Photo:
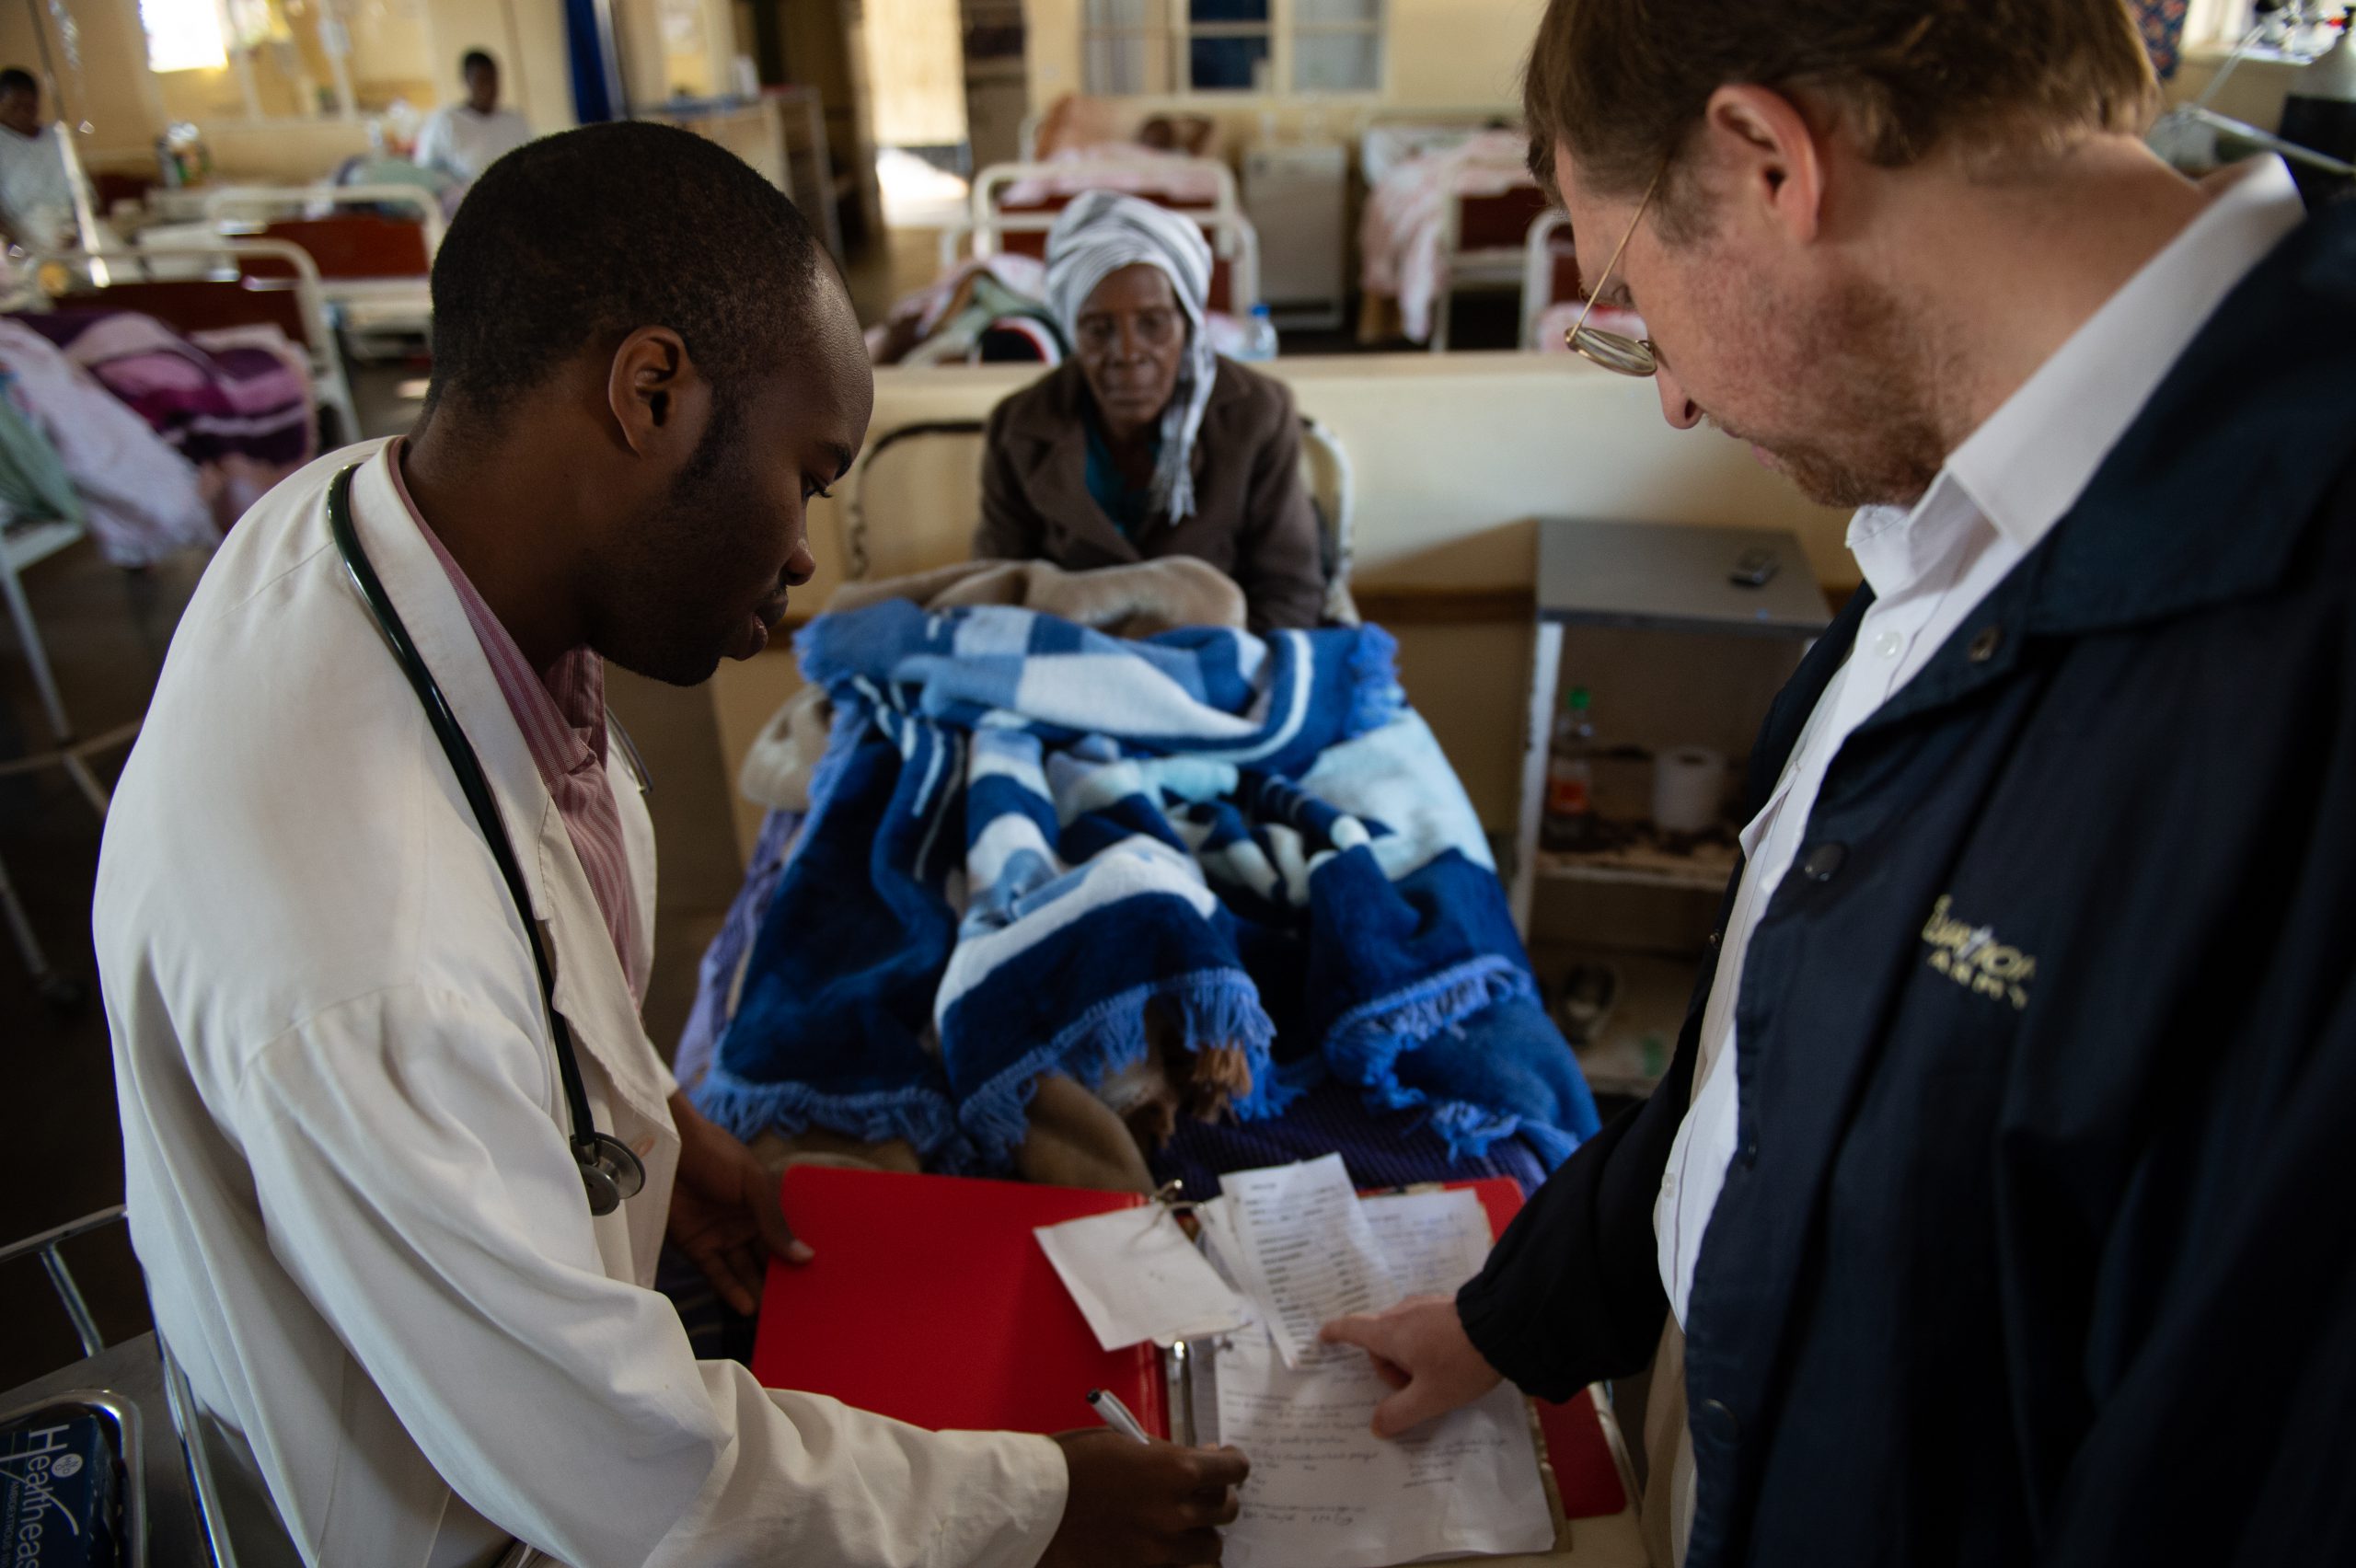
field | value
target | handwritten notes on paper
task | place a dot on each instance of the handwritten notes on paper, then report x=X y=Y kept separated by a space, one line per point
x=1325 y=1492
x=1136 y=1277
x=1308 y=1250
x=1432 y=1241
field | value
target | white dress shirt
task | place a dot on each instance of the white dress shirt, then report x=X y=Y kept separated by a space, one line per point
x=459 y=141
x=1999 y=494
x=363 y=1236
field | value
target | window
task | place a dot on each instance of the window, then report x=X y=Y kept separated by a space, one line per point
x=183 y=35
x=1263 y=47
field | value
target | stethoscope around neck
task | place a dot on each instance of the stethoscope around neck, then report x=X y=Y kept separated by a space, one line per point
x=609 y=1170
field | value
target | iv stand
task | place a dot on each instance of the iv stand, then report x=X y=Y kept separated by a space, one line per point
x=86 y=219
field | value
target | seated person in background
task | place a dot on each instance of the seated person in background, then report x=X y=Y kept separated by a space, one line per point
x=1144 y=443
x=464 y=139
x=36 y=194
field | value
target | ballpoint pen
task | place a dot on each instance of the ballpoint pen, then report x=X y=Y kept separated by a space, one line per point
x=1115 y=1414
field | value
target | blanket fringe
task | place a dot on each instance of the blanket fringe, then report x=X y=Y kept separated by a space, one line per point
x=1216 y=1007
x=921 y=1115
x=1365 y=1046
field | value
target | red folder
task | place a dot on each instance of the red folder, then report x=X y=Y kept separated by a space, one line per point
x=929 y=1300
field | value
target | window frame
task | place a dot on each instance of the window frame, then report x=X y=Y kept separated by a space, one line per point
x=1283 y=30
x=332 y=34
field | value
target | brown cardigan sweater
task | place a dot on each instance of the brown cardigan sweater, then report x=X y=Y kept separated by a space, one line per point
x=1253 y=519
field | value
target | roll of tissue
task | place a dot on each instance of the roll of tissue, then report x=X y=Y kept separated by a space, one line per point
x=1688 y=784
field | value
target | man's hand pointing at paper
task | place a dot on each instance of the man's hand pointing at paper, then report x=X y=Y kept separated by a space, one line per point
x=1421 y=1350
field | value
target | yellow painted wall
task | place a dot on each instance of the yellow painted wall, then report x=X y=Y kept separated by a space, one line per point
x=409 y=49
x=915 y=58
x=1454 y=455
x=526 y=37
x=113 y=88
x=1446 y=54
x=676 y=48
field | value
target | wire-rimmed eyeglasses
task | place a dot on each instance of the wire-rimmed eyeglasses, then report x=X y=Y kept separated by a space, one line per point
x=1616 y=351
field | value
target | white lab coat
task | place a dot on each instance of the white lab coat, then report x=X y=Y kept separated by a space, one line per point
x=348 y=1182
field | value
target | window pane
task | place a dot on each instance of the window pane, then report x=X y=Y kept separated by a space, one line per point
x=182 y=35
x=1229 y=65
x=1310 y=11
x=1125 y=14
x=1338 y=63
x=1228 y=10
x=1122 y=66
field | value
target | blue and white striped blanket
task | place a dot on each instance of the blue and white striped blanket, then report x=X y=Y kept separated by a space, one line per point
x=1024 y=832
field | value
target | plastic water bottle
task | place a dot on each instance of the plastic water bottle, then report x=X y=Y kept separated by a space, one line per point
x=1570 y=777
x=1259 y=337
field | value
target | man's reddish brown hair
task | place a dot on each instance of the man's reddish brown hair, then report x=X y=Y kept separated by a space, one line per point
x=1623 y=82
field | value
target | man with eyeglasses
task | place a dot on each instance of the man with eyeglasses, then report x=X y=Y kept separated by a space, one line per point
x=1996 y=1208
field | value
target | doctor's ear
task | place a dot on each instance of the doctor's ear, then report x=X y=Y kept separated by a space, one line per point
x=657 y=395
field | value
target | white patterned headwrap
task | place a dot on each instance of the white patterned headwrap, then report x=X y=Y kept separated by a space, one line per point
x=1097 y=234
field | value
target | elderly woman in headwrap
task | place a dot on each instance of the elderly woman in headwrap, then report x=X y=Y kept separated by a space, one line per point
x=1146 y=443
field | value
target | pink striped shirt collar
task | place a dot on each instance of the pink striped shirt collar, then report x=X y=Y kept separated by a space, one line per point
x=561 y=713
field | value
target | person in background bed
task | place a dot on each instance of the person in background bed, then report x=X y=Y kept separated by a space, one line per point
x=464 y=139
x=36 y=193
x=1144 y=443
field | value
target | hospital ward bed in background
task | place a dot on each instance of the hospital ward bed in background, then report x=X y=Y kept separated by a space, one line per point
x=371 y=246
x=989 y=299
x=1448 y=207
x=1015 y=206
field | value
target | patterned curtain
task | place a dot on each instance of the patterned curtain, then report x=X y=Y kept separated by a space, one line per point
x=2163 y=24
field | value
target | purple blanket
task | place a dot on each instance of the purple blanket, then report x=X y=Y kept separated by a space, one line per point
x=236 y=406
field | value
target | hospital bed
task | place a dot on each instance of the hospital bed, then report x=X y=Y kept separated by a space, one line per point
x=1550 y=279
x=203 y=284
x=372 y=247
x=1449 y=207
x=1013 y=206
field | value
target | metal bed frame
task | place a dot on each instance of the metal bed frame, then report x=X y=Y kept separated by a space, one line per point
x=1234 y=239
x=175 y=1513
x=397 y=303
x=196 y=260
x=1540 y=271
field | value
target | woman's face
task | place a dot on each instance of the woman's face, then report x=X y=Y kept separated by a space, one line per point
x=1132 y=336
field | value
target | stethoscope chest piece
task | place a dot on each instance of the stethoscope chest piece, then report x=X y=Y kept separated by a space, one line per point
x=610 y=1172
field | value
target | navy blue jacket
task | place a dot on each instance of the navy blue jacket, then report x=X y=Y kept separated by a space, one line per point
x=2039 y=1242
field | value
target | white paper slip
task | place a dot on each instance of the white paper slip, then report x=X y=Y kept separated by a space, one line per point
x=1308 y=1250
x=1325 y=1492
x=1136 y=1277
x=1432 y=1241
x=1221 y=1245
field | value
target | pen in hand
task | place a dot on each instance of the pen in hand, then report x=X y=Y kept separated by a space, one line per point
x=1115 y=1414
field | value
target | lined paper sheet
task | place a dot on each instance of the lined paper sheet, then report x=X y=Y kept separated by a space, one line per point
x=1325 y=1492
x=1432 y=1241
x=1309 y=1251
x=1136 y=1277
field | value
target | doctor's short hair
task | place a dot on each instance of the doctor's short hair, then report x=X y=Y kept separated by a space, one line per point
x=17 y=79
x=1623 y=82
x=579 y=240
x=472 y=58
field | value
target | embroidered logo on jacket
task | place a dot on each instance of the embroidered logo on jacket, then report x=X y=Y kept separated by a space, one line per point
x=1973 y=958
